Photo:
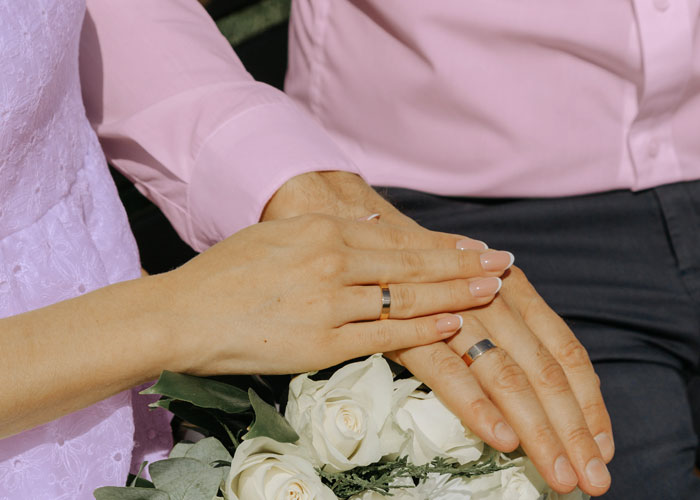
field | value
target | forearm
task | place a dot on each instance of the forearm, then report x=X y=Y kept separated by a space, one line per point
x=67 y=356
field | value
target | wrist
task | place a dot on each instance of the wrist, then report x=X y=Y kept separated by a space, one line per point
x=338 y=193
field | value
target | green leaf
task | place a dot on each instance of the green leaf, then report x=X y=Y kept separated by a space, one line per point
x=137 y=481
x=201 y=392
x=186 y=478
x=209 y=450
x=269 y=422
x=125 y=493
x=180 y=450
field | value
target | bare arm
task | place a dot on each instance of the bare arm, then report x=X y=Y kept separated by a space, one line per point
x=253 y=303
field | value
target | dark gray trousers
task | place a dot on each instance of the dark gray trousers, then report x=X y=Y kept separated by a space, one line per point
x=623 y=269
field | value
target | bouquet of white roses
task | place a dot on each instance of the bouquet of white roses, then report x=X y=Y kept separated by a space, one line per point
x=360 y=434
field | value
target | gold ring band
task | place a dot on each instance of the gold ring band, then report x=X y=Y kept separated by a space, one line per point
x=386 y=301
x=477 y=350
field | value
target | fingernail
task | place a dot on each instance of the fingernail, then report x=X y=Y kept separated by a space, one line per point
x=564 y=472
x=497 y=260
x=505 y=433
x=369 y=217
x=605 y=445
x=597 y=473
x=449 y=324
x=468 y=244
x=485 y=287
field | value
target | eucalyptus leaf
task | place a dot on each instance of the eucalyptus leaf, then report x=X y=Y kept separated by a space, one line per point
x=180 y=450
x=202 y=392
x=208 y=450
x=125 y=493
x=199 y=417
x=269 y=422
x=186 y=478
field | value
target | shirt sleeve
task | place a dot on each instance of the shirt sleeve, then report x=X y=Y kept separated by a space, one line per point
x=178 y=114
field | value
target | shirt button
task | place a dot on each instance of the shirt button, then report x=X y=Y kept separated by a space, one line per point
x=654 y=148
x=662 y=5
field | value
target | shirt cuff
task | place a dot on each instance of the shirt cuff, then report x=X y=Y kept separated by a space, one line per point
x=246 y=160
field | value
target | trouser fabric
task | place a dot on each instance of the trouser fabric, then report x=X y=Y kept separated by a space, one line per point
x=623 y=270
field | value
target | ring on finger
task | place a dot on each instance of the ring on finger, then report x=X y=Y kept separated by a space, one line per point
x=475 y=351
x=386 y=301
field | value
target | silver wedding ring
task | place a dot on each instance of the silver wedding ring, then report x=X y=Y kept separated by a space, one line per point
x=477 y=350
x=386 y=301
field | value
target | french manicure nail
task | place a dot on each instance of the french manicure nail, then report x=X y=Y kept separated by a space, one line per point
x=369 y=217
x=469 y=244
x=605 y=445
x=597 y=473
x=485 y=287
x=505 y=433
x=564 y=472
x=449 y=324
x=497 y=260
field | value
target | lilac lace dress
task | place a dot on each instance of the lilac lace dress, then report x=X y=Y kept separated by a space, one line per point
x=63 y=232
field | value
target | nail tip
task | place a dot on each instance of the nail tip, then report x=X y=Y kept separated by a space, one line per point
x=512 y=259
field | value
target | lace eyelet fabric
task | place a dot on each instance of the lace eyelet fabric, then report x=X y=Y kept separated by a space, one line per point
x=63 y=232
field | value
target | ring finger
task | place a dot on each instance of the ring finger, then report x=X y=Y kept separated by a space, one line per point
x=507 y=385
x=410 y=300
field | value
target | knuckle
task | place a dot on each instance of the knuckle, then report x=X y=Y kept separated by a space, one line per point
x=445 y=364
x=412 y=261
x=550 y=375
x=511 y=379
x=594 y=407
x=457 y=292
x=404 y=299
x=551 y=378
x=544 y=434
x=425 y=330
x=573 y=356
x=382 y=337
x=577 y=435
x=466 y=263
x=479 y=407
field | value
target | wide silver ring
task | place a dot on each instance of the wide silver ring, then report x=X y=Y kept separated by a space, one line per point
x=386 y=301
x=477 y=350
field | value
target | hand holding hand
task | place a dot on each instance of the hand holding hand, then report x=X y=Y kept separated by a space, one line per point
x=538 y=388
x=301 y=294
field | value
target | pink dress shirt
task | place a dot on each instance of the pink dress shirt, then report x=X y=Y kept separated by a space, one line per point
x=491 y=98
x=500 y=98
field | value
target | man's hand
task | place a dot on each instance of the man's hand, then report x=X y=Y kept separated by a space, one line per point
x=538 y=388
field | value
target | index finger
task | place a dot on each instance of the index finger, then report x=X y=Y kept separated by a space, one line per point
x=561 y=342
x=364 y=235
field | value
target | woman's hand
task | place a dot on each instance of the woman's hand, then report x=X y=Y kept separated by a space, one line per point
x=539 y=382
x=302 y=294
x=278 y=297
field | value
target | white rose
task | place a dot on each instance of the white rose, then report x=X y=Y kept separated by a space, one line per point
x=264 y=469
x=343 y=421
x=519 y=482
x=443 y=487
x=432 y=429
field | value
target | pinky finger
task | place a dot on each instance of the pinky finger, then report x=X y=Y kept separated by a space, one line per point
x=360 y=339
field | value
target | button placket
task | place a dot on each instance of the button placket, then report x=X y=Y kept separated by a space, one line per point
x=666 y=43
